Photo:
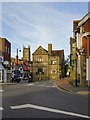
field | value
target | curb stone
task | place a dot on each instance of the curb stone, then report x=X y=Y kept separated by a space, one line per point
x=70 y=91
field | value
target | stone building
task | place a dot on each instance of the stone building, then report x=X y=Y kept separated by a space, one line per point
x=48 y=64
x=26 y=53
x=26 y=61
x=73 y=59
x=74 y=77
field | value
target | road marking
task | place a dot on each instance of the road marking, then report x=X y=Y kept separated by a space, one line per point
x=1 y=108
x=83 y=92
x=1 y=90
x=48 y=109
x=37 y=82
x=46 y=86
x=30 y=84
x=41 y=85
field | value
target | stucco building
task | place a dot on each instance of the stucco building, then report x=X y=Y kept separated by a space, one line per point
x=48 y=64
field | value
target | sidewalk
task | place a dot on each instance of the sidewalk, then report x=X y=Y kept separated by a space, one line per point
x=9 y=83
x=65 y=85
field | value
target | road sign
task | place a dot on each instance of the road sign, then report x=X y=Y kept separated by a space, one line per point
x=1 y=58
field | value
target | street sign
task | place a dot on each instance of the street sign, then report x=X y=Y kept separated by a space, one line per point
x=1 y=58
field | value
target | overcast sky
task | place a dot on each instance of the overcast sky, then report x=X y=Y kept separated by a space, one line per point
x=40 y=23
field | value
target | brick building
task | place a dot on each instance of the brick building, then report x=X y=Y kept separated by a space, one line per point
x=5 y=55
x=82 y=49
x=5 y=49
x=83 y=43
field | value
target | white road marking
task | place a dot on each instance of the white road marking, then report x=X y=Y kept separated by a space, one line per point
x=1 y=108
x=1 y=90
x=46 y=86
x=30 y=84
x=37 y=82
x=49 y=109
x=41 y=85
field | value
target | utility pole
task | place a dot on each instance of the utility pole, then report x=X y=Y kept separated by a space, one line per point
x=17 y=57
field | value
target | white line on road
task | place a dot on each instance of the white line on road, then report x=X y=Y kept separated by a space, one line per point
x=1 y=108
x=30 y=84
x=1 y=90
x=48 y=109
x=40 y=85
x=46 y=86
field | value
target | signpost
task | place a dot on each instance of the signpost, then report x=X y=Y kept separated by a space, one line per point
x=1 y=58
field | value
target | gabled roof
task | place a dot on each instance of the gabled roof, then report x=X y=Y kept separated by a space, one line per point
x=84 y=19
x=57 y=52
x=40 y=50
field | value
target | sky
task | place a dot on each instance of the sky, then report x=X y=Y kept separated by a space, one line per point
x=39 y=23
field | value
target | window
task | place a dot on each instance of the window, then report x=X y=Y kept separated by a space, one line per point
x=53 y=62
x=8 y=50
x=53 y=71
x=40 y=59
x=40 y=71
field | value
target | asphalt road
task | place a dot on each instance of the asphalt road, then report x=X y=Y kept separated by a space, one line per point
x=41 y=100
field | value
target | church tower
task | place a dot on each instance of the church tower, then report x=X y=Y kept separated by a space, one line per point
x=26 y=53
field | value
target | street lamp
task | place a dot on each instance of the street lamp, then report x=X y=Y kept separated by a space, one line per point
x=17 y=55
x=80 y=52
x=76 y=84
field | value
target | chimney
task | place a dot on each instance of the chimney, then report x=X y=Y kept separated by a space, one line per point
x=49 y=49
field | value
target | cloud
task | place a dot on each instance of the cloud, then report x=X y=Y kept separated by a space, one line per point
x=44 y=1
x=37 y=24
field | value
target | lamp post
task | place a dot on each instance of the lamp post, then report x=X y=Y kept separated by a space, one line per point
x=76 y=84
x=80 y=52
x=17 y=56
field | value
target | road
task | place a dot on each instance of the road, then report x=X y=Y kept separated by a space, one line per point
x=41 y=100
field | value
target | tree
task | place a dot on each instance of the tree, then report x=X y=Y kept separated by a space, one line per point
x=67 y=64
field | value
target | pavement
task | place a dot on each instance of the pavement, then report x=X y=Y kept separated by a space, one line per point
x=65 y=85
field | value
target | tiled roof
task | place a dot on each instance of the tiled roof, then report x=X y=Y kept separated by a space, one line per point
x=57 y=52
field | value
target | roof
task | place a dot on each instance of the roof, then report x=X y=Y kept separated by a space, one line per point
x=84 y=19
x=39 y=48
x=57 y=52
